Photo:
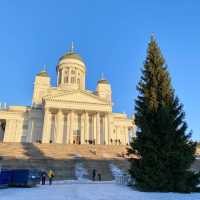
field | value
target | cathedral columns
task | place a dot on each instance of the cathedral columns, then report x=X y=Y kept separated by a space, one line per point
x=71 y=133
x=46 y=126
x=77 y=127
x=68 y=128
x=95 y=128
x=86 y=126
x=106 y=129
x=82 y=129
x=98 y=128
x=110 y=129
x=60 y=127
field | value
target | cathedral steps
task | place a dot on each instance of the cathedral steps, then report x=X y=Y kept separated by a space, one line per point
x=63 y=158
x=102 y=167
x=60 y=151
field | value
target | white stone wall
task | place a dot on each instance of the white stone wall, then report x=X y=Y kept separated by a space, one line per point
x=41 y=86
x=26 y=125
x=104 y=91
x=61 y=114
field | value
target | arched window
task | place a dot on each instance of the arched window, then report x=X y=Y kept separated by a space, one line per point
x=78 y=81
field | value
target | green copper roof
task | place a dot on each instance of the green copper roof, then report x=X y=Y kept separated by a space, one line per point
x=72 y=55
x=43 y=73
x=103 y=81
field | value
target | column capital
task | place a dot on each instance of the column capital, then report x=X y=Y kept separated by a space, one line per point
x=48 y=111
x=60 y=113
x=86 y=114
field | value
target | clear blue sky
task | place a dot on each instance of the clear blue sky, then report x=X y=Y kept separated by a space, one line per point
x=111 y=36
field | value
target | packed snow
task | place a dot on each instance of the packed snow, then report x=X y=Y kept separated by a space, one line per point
x=80 y=172
x=92 y=191
x=116 y=171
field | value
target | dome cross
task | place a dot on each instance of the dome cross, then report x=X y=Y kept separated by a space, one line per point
x=72 y=47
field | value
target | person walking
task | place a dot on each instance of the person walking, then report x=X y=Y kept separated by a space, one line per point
x=51 y=176
x=43 y=178
x=93 y=174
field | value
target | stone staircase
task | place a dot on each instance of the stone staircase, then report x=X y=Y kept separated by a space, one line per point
x=59 y=151
x=62 y=158
x=101 y=166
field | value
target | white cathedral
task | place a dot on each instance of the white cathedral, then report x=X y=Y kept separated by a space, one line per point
x=68 y=113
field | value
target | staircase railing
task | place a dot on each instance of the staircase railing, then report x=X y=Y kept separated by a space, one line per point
x=124 y=179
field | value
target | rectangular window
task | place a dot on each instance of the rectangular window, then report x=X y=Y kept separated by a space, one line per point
x=72 y=79
x=66 y=79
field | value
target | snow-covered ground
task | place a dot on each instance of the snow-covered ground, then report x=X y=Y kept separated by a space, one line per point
x=92 y=191
x=80 y=172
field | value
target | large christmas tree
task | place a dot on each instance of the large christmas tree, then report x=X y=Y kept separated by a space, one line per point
x=164 y=149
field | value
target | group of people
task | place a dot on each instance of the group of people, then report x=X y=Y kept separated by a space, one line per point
x=50 y=176
x=94 y=173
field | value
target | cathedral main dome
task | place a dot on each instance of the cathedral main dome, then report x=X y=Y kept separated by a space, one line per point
x=71 y=71
x=72 y=55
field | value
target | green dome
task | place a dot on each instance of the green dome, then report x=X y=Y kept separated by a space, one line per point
x=71 y=55
x=43 y=73
x=104 y=81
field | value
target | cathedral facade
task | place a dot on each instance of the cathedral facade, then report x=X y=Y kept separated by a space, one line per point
x=67 y=113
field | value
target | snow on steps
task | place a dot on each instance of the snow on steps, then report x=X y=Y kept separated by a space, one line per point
x=81 y=172
x=63 y=159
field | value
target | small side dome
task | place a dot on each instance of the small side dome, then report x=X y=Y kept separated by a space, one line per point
x=104 y=81
x=43 y=73
x=104 y=89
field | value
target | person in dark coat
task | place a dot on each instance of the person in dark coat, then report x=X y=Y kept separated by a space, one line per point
x=43 y=177
x=99 y=176
x=93 y=174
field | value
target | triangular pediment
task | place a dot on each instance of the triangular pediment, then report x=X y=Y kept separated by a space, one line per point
x=78 y=97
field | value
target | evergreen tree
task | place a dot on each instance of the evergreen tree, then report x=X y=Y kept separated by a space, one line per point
x=164 y=149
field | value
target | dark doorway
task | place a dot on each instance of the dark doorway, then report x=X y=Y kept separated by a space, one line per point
x=2 y=129
x=77 y=137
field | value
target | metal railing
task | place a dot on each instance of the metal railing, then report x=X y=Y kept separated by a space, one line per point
x=124 y=179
